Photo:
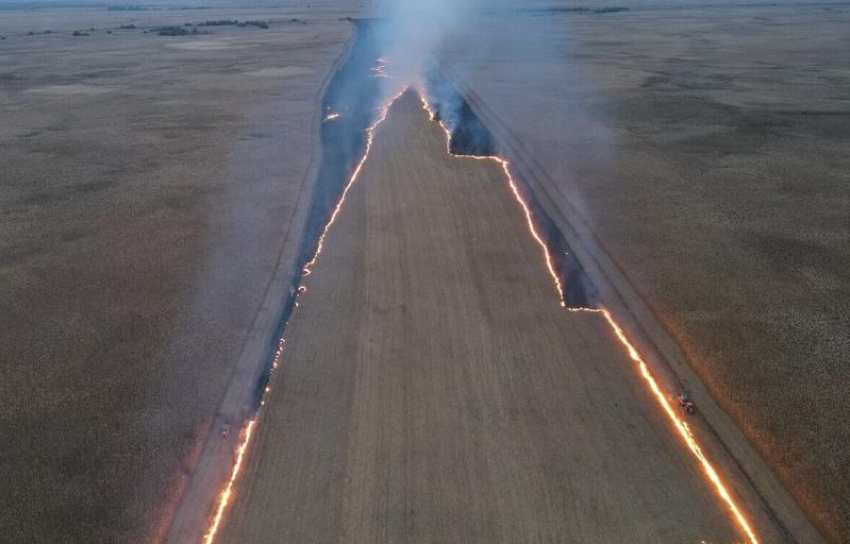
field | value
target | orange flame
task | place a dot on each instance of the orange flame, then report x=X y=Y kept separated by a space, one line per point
x=370 y=137
x=224 y=498
x=684 y=430
x=682 y=427
x=525 y=208
x=661 y=398
x=227 y=492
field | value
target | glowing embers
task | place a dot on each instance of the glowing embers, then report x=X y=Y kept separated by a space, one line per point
x=682 y=427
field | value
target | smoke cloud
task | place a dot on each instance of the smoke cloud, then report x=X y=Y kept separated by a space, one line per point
x=519 y=59
x=414 y=30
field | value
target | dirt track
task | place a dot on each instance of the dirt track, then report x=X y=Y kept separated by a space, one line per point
x=434 y=390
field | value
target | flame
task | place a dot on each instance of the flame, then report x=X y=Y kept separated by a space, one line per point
x=224 y=498
x=550 y=265
x=227 y=492
x=661 y=398
x=681 y=426
x=370 y=137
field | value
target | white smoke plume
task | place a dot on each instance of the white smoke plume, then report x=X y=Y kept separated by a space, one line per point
x=414 y=30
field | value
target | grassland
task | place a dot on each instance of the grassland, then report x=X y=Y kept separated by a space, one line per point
x=152 y=189
x=433 y=388
x=705 y=146
x=148 y=193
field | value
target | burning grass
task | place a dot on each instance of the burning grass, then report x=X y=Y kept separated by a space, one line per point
x=468 y=128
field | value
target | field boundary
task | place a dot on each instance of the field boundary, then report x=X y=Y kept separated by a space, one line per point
x=212 y=467
x=724 y=441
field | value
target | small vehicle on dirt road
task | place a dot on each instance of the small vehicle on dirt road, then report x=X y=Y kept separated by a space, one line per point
x=687 y=404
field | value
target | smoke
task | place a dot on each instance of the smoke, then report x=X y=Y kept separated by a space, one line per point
x=411 y=34
x=518 y=59
x=414 y=30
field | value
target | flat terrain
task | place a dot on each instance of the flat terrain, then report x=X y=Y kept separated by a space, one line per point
x=148 y=195
x=707 y=148
x=152 y=192
x=434 y=390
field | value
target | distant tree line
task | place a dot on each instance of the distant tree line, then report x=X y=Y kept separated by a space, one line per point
x=177 y=31
x=258 y=24
x=235 y=22
x=578 y=9
x=614 y=9
x=220 y=22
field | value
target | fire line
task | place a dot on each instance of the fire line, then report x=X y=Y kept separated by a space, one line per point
x=224 y=498
x=680 y=425
x=245 y=437
x=684 y=430
x=370 y=136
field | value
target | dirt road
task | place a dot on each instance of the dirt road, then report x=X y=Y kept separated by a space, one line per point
x=434 y=390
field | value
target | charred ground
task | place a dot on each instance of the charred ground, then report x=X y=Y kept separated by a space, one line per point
x=469 y=136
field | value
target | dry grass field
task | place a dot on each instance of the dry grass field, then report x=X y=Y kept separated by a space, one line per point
x=434 y=390
x=148 y=193
x=153 y=191
x=707 y=148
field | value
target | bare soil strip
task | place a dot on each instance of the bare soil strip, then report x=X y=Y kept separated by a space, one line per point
x=433 y=388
